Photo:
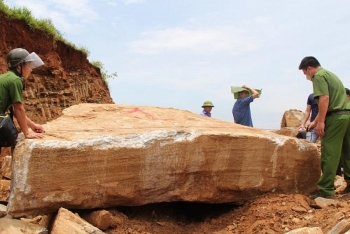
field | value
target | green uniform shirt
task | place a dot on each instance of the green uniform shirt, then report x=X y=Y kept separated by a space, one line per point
x=11 y=88
x=326 y=83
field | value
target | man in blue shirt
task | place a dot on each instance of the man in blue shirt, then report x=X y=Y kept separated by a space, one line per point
x=311 y=108
x=241 y=109
x=207 y=107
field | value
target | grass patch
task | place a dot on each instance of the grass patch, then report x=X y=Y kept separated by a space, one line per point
x=105 y=74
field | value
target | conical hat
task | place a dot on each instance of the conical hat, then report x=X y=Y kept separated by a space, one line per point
x=236 y=89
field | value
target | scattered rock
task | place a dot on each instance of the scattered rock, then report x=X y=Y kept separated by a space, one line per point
x=299 y=209
x=67 y=222
x=104 y=219
x=342 y=227
x=306 y=230
x=324 y=202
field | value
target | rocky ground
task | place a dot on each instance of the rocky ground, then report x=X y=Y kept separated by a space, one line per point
x=271 y=213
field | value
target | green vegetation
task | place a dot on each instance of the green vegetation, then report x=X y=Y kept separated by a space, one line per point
x=104 y=73
x=85 y=51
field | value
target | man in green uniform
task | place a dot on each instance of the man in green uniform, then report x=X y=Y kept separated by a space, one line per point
x=332 y=124
x=20 y=64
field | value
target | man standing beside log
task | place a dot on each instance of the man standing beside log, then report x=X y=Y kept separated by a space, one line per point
x=332 y=124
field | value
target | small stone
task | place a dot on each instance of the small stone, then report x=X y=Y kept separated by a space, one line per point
x=296 y=220
x=299 y=209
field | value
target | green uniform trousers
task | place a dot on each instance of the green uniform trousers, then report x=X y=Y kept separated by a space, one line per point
x=335 y=144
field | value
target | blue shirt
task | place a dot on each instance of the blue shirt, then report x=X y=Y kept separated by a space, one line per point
x=241 y=111
x=314 y=107
x=204 y=113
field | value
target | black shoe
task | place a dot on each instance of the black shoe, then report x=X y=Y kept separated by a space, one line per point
x=319 y=194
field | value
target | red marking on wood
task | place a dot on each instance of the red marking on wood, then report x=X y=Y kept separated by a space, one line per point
x=136 y=109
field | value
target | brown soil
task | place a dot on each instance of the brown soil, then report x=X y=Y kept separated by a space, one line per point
x=271 y=213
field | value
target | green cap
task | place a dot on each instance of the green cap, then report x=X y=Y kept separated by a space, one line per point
x=235 y=90
x=207 y=103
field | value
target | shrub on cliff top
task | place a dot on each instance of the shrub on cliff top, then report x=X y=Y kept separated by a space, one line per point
x=105 y=75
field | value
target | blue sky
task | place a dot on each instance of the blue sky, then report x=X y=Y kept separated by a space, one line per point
x=180 y=53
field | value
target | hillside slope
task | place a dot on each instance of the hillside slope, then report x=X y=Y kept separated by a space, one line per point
x=66 y=79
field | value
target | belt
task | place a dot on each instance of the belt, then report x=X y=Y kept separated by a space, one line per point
x=338 y=112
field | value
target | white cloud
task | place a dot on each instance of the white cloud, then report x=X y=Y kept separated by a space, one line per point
x=79 y=9
x=112 y=3
x=222 y=39
x=262 y=20
x=67 y=15
x=129 y=2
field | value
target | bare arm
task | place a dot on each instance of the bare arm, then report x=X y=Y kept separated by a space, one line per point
x=24 y=122
x=19 y=113
x=254 y=92
x=30 y=123
x=306 y=116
